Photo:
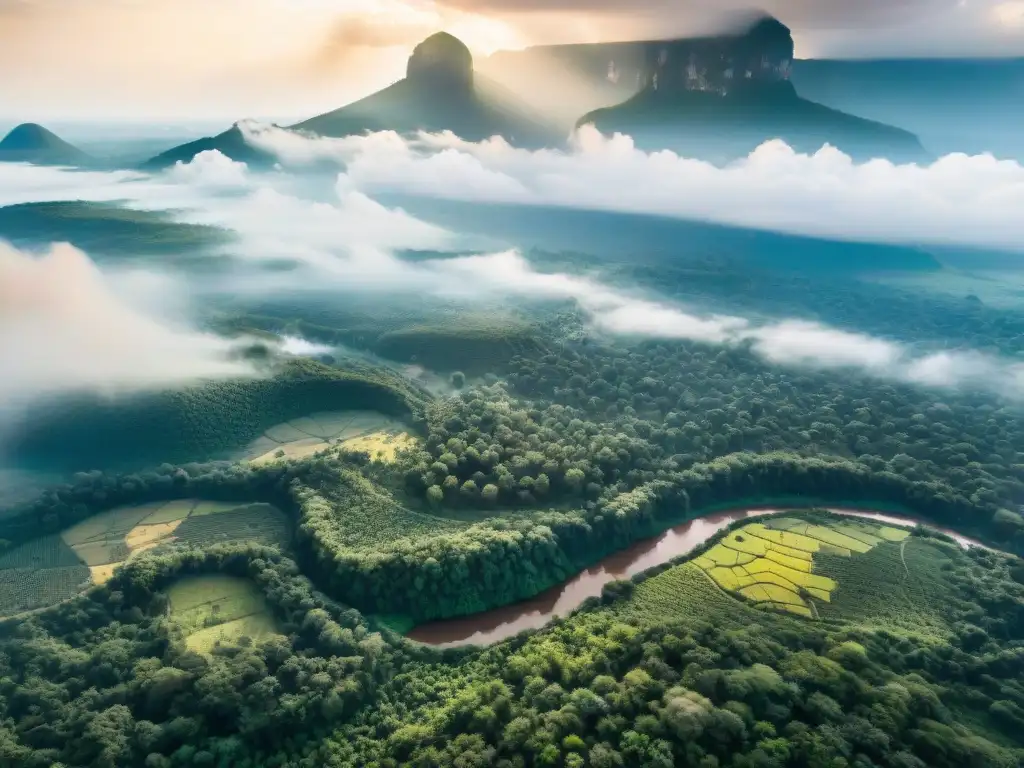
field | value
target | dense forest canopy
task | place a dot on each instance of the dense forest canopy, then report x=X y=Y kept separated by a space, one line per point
x=424 y=434
x=568 y=449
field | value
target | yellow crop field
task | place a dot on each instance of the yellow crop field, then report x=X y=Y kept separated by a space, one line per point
x=143 y=537
x=46 y=570
x=837 y=539
x=831 y=549
x=860 y=534
x=800 y=578
x=375 y=433
x=791 y=539
x=100 y=574
x=799 y=610
x=744 y=541
x=723 y=556
x=772 y=563
x=382 y=446
x=781 y=594
x=796 y=563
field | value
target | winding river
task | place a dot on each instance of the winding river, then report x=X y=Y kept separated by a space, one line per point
x=500 y=623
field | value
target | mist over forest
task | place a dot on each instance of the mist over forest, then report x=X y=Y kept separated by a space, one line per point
x=448 y=428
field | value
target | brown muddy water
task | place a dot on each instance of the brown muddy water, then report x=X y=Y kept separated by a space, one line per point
x=501 y=623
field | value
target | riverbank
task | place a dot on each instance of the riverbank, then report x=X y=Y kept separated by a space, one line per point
x=501 y=623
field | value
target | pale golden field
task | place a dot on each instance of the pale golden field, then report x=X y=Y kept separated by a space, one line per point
x=773 y=562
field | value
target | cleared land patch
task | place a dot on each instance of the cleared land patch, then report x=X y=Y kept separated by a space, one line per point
x=775 y=563
x=382 y=446
x=899 y=586
x=40 y=573
x=53 y=568
x=214 y=609
x=379 y=435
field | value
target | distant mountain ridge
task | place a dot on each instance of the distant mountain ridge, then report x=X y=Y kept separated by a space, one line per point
x=440 y=92
x=954 y=105
x=987 y=94
x=32 y=143
x=716 y=97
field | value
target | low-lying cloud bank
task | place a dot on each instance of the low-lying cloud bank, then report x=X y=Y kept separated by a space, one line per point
x=78 y=331
x=957 y=200
x=788 y=342
x=64 y=327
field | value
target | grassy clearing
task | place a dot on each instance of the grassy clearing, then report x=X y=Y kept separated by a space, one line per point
x=774 y=562
x=172 y=511
x=212 y=507
x=212 y=420
x=214 y=609
x=143 y=537
x=100 y=574
x=258 y=627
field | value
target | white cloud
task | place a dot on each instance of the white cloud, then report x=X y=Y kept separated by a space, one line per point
x=296 y=345
x=345 y=241
x=211 y=169
x=804 y=343
x=788 y=342
x=63 y=328
x=958 y=199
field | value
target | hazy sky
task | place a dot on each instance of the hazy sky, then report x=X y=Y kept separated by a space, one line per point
x=276 y=58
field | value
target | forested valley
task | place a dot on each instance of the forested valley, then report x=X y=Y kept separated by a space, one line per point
x=567 y=451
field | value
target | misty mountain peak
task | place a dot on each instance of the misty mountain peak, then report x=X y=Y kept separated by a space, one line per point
x=31 y=142
x=442 y=60
x=29 y=137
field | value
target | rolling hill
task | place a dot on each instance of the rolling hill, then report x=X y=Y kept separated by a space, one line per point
x=32 y=143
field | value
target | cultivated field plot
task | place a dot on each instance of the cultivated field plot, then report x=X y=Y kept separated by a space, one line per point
x=215 y=609
x=379 y=435
x=53 y=568
x=106 y=540
x=38 y=574
x=684 y=592
x=903 y=588
x=774 y=563
x=260 y=523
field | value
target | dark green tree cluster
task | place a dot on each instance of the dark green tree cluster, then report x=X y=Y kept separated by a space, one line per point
x=106 y=680
x=434 y=574
x=598 y=691
x=484 y=449
x=691 y=404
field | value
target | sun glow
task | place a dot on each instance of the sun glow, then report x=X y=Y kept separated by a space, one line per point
x=1009 y=14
